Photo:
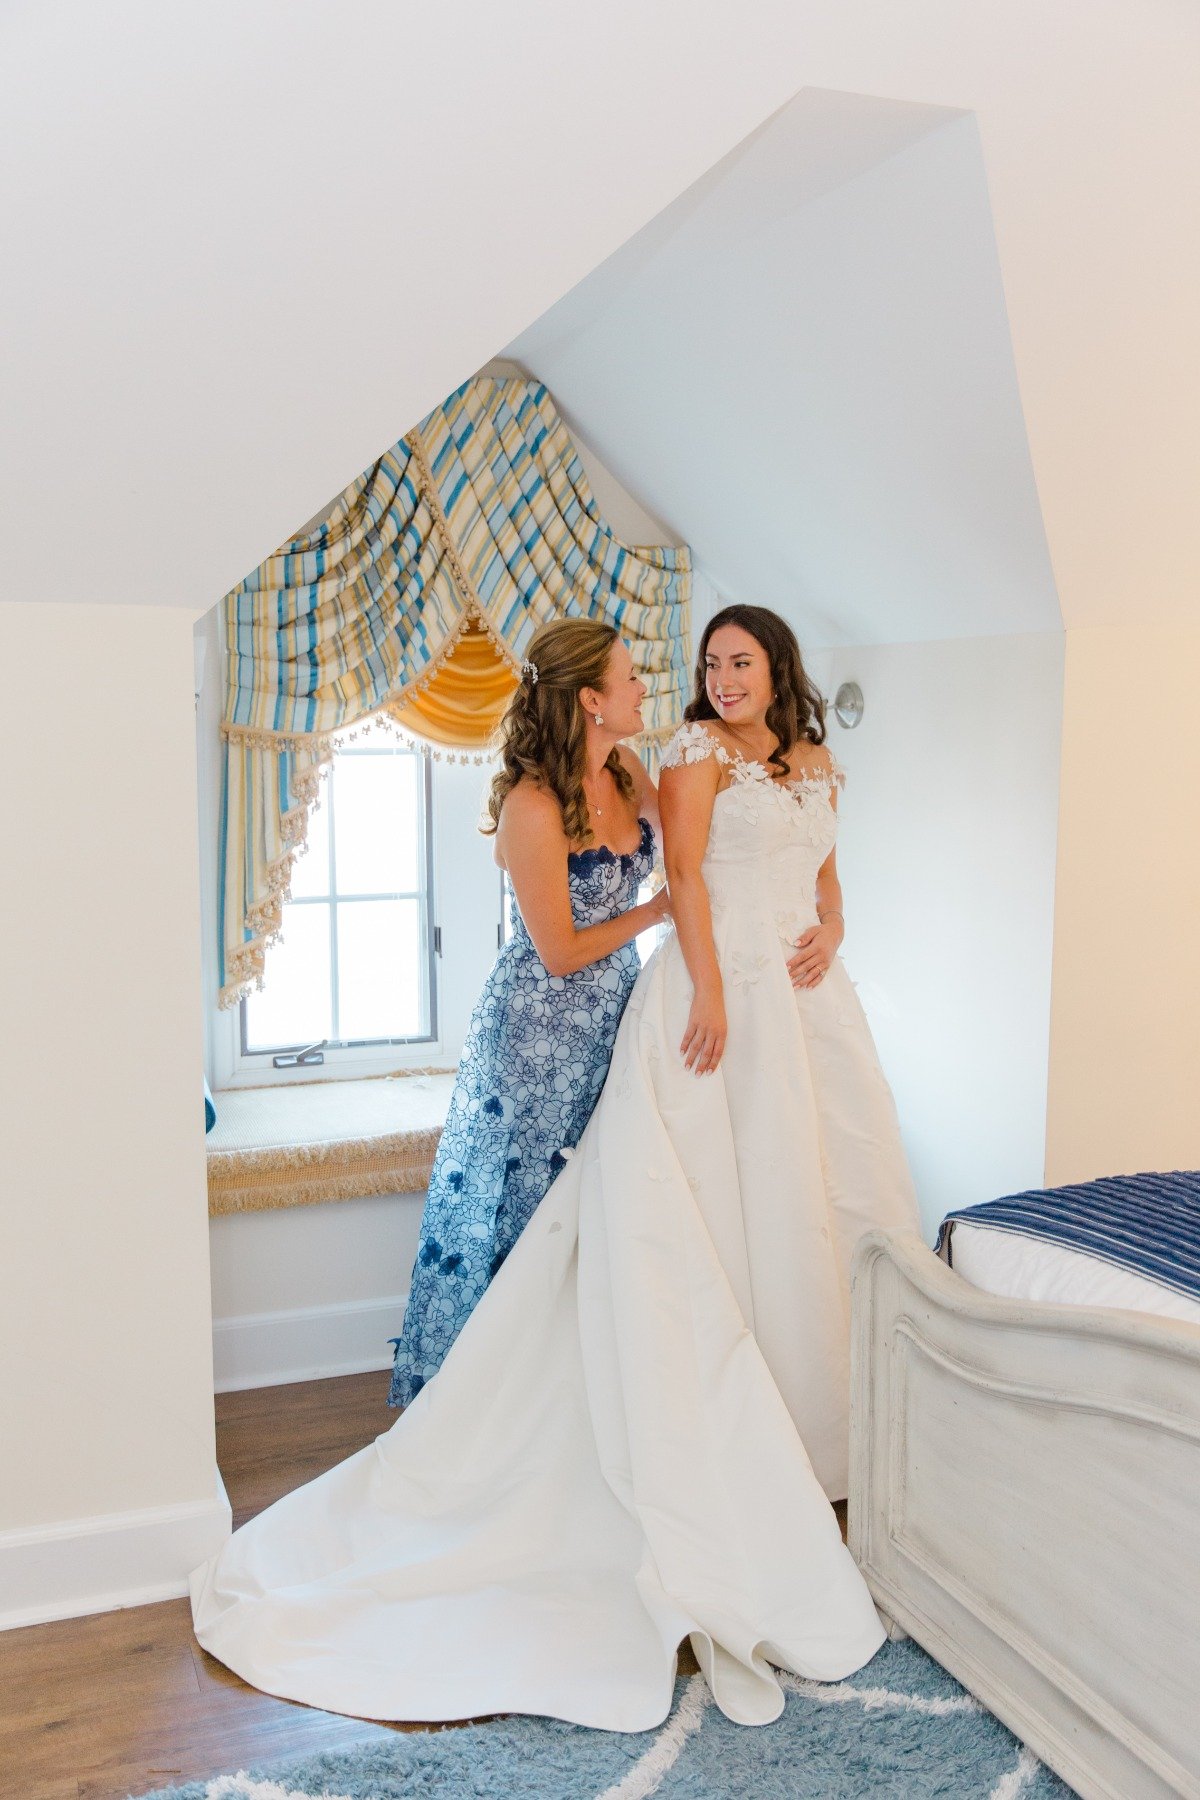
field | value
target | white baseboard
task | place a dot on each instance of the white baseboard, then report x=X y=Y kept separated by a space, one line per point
x=305 y=1343
x=78 y=1566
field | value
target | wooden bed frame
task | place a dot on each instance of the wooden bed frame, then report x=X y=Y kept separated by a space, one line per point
x=1025 y=1503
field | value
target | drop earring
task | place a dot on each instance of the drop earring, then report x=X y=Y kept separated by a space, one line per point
x=599 y=718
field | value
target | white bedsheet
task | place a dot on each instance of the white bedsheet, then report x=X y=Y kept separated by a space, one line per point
x=1022 y=1268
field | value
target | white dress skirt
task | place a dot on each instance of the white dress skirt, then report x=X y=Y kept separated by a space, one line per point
x=635 y=1438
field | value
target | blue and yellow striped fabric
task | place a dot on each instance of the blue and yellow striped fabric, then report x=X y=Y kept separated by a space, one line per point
x=482 y=513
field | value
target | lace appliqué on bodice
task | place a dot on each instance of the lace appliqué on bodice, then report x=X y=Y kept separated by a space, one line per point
x=767 y=839
x=693 y=743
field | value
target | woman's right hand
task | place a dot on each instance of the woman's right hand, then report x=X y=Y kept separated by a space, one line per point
x=658 y=906
x=704 y=1040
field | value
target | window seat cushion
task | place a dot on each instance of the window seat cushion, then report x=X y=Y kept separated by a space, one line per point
x=325 y=1140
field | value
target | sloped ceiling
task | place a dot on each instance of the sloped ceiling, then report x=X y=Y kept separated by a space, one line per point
x=245 y=244
x=804 y=366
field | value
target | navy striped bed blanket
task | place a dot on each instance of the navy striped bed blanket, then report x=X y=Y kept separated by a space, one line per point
x=1149 y=1224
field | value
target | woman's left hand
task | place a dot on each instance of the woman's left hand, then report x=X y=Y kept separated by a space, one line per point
x=815 y=950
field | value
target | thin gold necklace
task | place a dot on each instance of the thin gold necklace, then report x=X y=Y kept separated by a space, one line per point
x=598 y=810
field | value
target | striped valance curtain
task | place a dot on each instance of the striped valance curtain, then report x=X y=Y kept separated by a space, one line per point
x=410 y=605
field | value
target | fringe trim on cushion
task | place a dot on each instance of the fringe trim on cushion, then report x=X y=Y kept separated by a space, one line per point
x=310 y=1174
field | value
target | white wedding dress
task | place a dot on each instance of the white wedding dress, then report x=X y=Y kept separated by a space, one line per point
x=634 y=1437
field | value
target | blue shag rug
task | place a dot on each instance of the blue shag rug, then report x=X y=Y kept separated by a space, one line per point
x=900 y=1729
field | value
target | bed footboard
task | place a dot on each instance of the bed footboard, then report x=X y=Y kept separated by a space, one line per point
x=1025 y=1502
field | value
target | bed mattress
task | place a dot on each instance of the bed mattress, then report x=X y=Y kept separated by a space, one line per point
x=1023 y=1268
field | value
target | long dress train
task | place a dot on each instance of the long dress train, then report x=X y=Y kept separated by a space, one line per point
x=609 y=1459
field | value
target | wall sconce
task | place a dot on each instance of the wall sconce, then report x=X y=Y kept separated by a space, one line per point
x=847 y=705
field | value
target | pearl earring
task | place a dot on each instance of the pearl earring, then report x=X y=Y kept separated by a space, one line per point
x=599 y=718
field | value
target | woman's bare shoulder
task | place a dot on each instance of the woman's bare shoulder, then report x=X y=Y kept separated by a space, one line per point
x=530 y=821
x=809 y=759
x=531 y=803
x=695 y=742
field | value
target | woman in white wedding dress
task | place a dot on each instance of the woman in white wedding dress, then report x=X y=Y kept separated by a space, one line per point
x=635 y=1437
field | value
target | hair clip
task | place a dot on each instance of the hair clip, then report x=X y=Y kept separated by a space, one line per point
x=529 y=672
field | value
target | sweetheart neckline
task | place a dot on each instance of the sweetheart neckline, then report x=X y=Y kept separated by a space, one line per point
x=604 y=851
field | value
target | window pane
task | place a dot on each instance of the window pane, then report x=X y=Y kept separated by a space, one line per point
x=294 y=1006
x=310 y=871
x=648 y=941
x=380 y=969
x=507 y=902
x=377 y=836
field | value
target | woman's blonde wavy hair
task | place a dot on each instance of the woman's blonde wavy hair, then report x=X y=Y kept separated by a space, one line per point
x=543 y=735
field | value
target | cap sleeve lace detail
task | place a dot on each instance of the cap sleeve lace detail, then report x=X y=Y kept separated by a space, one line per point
x=691 y=744
x=820 y=779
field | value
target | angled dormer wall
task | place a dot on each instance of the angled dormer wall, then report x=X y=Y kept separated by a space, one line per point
x=805 y=366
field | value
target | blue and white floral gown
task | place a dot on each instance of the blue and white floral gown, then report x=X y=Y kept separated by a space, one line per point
x=532 y=1068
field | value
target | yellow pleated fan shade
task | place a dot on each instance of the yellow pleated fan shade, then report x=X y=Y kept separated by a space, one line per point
x=463 y=701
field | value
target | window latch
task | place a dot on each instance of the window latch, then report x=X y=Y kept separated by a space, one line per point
x=307 y=1058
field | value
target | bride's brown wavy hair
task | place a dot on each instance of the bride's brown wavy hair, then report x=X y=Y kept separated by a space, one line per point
x=797 y=710
x=543 y=735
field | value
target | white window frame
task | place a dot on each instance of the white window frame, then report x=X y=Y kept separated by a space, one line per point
x=464 y=922
x=342 y=1052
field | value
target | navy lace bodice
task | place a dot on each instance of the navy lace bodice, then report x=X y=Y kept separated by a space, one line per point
x=532 y=1067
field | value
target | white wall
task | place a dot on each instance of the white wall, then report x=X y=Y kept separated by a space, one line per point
x=621 y=508
x=106 y=1402
x=208 y=644
x=812 y=379
x=308 y=1291
x=947 y=854
x=182 y=163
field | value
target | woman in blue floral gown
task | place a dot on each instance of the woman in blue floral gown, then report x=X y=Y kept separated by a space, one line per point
x=574 y=815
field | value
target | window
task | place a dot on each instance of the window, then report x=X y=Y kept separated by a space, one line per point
x=396 y=912
x=355 y=967
x=648 y=941
x=504 y=930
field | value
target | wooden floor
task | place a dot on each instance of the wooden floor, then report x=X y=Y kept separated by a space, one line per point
x=123 y=1702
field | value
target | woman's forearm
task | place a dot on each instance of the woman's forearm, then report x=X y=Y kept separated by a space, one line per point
x=829 y=900
x=592 y=943
x=692 y=914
